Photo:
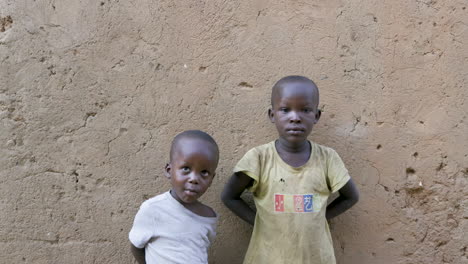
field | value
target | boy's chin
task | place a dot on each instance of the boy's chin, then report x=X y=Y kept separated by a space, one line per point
x=295 y=139
x=188 y=199
x=183 y=199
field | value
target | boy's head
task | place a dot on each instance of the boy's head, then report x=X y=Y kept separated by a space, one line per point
x=193 y=160
x=294 y=108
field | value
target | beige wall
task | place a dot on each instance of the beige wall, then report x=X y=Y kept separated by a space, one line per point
x=92 y=92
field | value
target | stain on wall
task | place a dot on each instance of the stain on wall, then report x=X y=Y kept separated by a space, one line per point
x=92 y=92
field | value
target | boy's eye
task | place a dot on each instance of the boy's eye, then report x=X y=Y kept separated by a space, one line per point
x=205 y=173
x=307 y=110
x=185 y=169
x=284 y=109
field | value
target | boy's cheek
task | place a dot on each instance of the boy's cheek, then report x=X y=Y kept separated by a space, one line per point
x=208 y=182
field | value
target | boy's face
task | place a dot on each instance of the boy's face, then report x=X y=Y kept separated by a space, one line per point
x=295 y=111
x=191 y=169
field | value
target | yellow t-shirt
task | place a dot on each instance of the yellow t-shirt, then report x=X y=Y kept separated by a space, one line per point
x=290 y=225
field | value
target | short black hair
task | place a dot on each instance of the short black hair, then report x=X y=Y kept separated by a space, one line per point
x=291 y=79
x=194 y=134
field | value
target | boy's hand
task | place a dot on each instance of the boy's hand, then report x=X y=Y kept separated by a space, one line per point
x=231 y=196
x=349 y=196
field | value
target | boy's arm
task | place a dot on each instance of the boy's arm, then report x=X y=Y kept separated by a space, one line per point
x=238 y=182
x=139 y=254
x=349 y=196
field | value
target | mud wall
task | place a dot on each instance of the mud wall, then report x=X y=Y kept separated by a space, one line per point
x=92 y=92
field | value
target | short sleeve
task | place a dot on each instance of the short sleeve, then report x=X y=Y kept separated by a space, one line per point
x=251 y=166
x=143 y=226
x=337 y=175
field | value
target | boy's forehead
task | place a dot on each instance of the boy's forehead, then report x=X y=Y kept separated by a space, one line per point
x=295 y=88
x=192 y=144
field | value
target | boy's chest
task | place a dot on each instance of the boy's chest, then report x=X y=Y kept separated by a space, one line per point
x=178 y=228
x=307 y=180
x=171 y=221
x=283 y=191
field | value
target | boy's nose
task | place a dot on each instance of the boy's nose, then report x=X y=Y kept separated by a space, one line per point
x=193 y=178
x=294 y=118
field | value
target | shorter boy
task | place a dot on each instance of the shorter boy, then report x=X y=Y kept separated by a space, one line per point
x=174 y=227
x=291 y=179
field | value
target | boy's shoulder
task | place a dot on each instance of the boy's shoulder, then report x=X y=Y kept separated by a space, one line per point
x=322 y=148
x=267 y=147
x=156 y=200
x=206 y=211
x=322 y=152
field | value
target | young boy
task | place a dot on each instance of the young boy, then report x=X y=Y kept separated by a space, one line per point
x=175 y=227
x=291 y=179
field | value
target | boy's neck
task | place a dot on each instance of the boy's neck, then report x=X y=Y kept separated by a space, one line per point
x=294 y=155
x=196 y=207
x=286 y=146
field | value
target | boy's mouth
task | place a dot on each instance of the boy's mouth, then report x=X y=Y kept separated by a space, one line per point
x=190 y=192
x=295 y=131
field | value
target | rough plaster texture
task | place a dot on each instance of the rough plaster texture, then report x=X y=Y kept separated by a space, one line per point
x=91 y=93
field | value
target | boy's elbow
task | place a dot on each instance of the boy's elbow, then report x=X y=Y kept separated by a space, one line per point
x=226 y=198
x=353 y=194
x=138 y=253
x=351 y=198
x=229 y=199
x=355 y=198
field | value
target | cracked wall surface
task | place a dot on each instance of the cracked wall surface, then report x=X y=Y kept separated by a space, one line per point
x=92 y=92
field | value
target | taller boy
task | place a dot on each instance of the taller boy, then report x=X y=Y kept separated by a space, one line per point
x=291 y=179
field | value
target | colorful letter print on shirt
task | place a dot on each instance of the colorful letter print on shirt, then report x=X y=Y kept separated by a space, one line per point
x=294 y=203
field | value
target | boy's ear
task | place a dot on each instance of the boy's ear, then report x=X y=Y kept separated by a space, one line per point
x=318 y=115
x=271 y=115
x=167 y=170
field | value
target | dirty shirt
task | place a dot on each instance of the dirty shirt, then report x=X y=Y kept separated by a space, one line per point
x=170 y=233
x=290 y=224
